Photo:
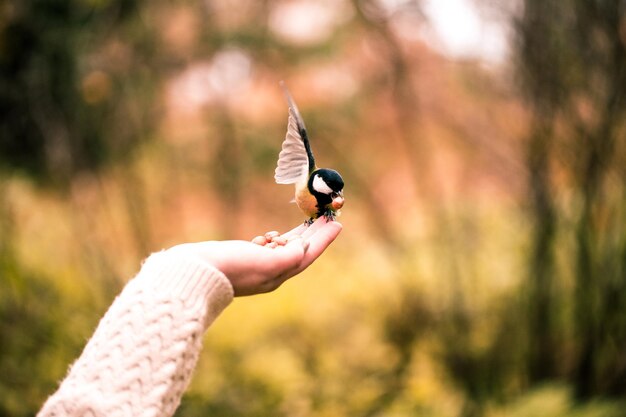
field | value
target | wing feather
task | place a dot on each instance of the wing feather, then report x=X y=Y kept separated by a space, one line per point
x=293 y=161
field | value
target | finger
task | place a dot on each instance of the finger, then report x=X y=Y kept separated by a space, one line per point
x=280 y=240
x=260 y=240
x=271 y=235
x=295 y=231
x=318 y=243
x=312 y=229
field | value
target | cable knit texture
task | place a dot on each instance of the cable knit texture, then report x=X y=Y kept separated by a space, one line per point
x=140 y=359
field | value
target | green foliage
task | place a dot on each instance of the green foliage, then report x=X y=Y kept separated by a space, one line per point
x=556 y=401
x=37 y=340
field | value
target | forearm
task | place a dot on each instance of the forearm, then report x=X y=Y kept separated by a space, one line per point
x=140 y=359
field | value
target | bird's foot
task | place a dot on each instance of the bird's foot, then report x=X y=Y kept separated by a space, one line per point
x=309 y=221
x=330 y=215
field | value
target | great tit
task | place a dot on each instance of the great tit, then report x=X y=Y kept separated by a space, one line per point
x=319 y=191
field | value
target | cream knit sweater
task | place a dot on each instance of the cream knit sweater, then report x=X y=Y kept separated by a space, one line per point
x=140 y=358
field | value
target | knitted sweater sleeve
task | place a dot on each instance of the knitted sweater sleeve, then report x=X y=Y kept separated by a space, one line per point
x=140 y=358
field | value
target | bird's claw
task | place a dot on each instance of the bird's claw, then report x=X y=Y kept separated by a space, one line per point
x=330 y=215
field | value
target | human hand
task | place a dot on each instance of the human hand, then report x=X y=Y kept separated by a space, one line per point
x=252 y=268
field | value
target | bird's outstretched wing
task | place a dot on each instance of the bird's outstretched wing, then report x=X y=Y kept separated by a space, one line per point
x=295 y=160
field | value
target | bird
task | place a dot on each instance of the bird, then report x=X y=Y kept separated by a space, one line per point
x=319 y=191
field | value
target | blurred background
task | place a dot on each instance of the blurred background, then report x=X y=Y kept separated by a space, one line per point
x=482 y=267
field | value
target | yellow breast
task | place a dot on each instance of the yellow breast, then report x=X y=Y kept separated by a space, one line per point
x=306 y=201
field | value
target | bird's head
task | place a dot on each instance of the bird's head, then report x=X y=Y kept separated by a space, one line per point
x=327 y=187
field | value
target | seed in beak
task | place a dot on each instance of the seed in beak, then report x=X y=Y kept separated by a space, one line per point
x=337 y=203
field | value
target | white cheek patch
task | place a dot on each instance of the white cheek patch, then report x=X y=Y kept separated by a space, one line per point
x=320 y=186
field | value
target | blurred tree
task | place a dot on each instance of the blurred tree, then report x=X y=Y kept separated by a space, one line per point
x=572 y=63
x=73 y=78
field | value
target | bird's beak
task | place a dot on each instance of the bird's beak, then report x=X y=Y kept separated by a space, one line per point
x=337 y=202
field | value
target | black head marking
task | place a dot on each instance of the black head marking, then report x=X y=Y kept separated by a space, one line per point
x=324 y=182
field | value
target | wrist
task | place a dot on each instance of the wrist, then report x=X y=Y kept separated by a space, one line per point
x=175 y=274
